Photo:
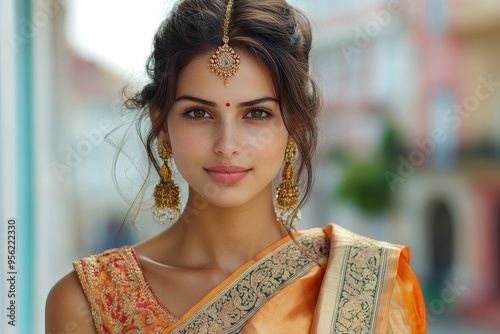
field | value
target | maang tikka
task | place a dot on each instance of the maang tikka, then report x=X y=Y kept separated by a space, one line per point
x=167 y=192
x=287 y=193
x=225 y=62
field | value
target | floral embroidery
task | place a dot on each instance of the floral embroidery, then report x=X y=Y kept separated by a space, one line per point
x=118 y=295
x=358 y=301
x=238 y=301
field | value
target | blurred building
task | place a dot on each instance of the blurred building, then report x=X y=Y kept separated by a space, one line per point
x=429 y=69
x=58 y=107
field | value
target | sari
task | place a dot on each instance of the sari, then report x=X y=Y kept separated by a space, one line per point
x=322 y=281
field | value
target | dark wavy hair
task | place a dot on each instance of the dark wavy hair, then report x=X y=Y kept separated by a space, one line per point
x=276 y=34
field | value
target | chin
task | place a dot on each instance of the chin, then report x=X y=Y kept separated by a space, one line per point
x=228 y=198
x=228 y=203
x=233 y=196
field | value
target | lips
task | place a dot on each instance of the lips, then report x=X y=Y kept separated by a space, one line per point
x=227 y=174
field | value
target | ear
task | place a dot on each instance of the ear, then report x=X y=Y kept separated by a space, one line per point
x=154 y=115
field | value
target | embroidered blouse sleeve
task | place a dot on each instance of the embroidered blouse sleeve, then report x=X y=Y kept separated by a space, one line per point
x=118 y=295
x=407 y=310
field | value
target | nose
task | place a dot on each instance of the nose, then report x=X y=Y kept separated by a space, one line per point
x=228 y=139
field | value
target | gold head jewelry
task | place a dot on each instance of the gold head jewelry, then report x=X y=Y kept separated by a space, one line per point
x=225 y=62
x=287 y=193
x=167 y=192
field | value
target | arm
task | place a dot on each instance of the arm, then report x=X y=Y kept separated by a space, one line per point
x=67 y=310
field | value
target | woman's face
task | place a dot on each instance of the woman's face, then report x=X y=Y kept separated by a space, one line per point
x=227 y=142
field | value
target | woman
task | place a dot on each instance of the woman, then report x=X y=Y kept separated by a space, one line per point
x=231 y=101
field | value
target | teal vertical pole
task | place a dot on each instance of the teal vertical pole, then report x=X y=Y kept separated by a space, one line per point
x=25 y=31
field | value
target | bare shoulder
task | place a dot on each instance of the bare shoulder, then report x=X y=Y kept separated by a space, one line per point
x=67 y=310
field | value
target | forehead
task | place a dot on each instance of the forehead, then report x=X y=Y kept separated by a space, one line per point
x=251 y=81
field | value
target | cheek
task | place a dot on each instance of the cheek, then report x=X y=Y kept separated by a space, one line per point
x=184 y=139
x=188 y=158
x=276 y=156
x=271 y=148
x=187 y=147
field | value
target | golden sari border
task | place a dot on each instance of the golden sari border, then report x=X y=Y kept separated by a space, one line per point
x=357 y=285
x=358 y=297
x=229 y=309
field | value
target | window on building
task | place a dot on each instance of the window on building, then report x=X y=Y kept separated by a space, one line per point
x=446 y=144
x=436 y=17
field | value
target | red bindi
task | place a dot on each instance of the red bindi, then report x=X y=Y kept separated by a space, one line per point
x=228 y=104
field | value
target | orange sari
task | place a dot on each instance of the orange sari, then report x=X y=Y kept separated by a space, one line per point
x=367 y=287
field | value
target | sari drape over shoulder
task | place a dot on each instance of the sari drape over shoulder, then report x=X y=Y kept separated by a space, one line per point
x=320 y=281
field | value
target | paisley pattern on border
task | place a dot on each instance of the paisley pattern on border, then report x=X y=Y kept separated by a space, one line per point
x=358 y=299
x=238 y=301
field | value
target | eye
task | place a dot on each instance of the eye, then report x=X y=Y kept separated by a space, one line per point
x=196 y=113
x=258 y=113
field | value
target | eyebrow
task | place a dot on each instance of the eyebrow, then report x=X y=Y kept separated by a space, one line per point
x=215 y=105
x=257 y=101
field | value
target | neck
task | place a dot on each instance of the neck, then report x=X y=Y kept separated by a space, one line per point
x=226 y=238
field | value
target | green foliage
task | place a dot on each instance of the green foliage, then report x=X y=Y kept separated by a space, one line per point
x=365 y=186
x=364 y=183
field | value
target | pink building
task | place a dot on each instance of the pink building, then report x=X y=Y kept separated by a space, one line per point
x=431 y=69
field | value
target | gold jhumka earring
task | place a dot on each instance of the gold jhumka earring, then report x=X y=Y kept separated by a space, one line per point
x=287 y=193
x=225 y=62
x=167 y=192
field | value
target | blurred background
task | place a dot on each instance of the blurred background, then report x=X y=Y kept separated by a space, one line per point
x=409 y=149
